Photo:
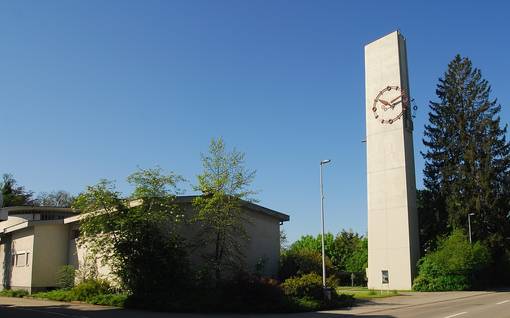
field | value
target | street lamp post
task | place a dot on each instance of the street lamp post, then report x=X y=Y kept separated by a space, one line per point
x=323 y=162
x=469 y=226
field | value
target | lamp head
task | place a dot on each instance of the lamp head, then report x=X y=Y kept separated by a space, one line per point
x=323 y=162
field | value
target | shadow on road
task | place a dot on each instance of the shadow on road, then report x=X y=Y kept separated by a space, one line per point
x=73 y=311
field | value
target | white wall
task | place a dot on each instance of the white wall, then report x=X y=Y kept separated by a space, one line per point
x=50 y=253
x=21 y=274
x=392 y=220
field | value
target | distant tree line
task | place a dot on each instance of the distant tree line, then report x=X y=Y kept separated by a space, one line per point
x=346 y=256
x=16 y=195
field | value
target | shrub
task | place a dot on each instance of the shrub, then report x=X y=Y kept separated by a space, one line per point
x=65 y=277
x=13 y=293
x=255 y=293
x=86 y=293
x=453 y=265
x=91 y=288
x=308 y=286
x=302 y=261
x=115 y=300
x=306 y=294
x=58 y=295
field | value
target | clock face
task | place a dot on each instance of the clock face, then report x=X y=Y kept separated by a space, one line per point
x=390 y=104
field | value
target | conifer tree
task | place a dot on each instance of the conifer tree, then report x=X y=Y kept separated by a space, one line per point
x=467 y=157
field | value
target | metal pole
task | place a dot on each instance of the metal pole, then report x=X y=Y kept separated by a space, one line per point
x=322 y=236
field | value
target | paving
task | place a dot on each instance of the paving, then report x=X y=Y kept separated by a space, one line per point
x=494 y=304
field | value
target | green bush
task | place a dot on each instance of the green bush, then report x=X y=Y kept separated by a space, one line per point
x=305 y=293
x=308 y=286
x=13 y=293
x=302 y=261
x=454 y=265
x=58 y=295
x=90 y=288
x=98 y=292
x=85 y=294
x=115 y=300
x=65 y=277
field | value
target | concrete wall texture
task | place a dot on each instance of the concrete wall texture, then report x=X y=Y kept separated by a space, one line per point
x=392 y=217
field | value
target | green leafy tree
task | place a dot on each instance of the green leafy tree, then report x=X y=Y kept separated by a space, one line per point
x=297 y=262
x=224 y=183
x=357 y=261
x=467 y=157
x=137 y=237
x=349 y=251
x=14 y=194
x=455 y=265
x=345 y=250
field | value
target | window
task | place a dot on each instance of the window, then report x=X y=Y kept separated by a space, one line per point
x=385 y=277
x=20 y=259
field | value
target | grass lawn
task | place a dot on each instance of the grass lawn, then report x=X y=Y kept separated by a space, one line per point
x=365 y=293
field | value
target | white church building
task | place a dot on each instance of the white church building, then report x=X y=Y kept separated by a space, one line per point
x=35 y=242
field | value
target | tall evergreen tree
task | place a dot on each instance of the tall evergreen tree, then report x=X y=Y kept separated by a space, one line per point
x=467 y=159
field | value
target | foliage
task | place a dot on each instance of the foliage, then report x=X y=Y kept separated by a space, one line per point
x=137 y=238
x=467 y=159
x=296 y=262
x=305 y=286
x=347 y=251
x=224 y=183
x=306 y=293
x=62 y=199
x=88 y=269
x=283 y=240
x=255 y=293
x=65 y=277
x=18 y=293
x=14 y=194
x=357 y=261
x=431 y=218
x=97 y=292
x=455 y=264
x=88 y=289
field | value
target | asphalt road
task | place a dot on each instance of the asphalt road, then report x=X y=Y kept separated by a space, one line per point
x=411 y=305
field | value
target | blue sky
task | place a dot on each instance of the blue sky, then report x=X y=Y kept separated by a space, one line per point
x=94 y=89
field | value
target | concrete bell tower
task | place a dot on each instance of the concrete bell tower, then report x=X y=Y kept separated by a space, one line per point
x=393 y=246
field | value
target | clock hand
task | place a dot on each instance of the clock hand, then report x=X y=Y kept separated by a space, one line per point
x=385 y=102
x=395 y=104
x=394 y=99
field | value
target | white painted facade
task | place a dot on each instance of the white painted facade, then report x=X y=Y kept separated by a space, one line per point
x=392 y=218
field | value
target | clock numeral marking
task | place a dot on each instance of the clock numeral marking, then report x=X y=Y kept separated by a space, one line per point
x=390 y=104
